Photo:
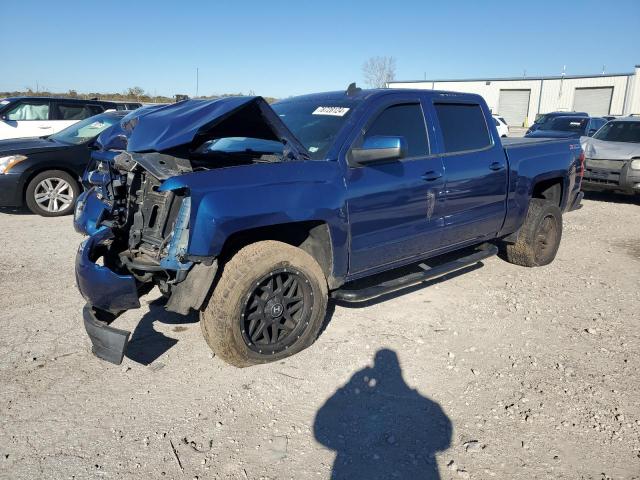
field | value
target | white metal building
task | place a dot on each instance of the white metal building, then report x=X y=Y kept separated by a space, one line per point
x=519 y=100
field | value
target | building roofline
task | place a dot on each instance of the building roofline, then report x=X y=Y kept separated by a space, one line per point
x=511 y=79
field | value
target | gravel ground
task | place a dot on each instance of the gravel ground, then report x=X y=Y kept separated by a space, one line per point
x=503 y=372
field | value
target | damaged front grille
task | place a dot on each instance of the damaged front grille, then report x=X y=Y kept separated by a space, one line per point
x=154 y=218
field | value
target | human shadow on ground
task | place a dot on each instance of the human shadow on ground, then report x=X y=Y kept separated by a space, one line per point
x=381 y=428
x=147 y=344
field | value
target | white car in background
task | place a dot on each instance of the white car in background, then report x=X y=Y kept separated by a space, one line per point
x=22 y=117
x=501 y=125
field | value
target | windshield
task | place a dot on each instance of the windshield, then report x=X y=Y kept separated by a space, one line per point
x=541 y=119
x=620 y=132
x=85 y=130
x=315 y=123
x=566 y=124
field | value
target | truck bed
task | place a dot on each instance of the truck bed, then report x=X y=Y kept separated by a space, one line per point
x=512 y=142
x=535 y=160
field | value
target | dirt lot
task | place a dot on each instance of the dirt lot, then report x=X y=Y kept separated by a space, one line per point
x=503 y=372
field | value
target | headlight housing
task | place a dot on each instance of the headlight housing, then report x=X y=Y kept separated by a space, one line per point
x=7 y=163
x=635 y=164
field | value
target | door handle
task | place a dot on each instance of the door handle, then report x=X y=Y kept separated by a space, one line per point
x=431 y=175
x=44 y=128
x=495 y=166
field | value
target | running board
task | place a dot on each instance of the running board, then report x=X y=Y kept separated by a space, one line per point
x=429 y=273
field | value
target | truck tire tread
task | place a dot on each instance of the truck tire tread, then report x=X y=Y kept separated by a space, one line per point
x=220 y=318
x=523 y=251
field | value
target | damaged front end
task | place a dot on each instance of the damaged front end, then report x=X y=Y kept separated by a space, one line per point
x=139 y=223
x=139 y=238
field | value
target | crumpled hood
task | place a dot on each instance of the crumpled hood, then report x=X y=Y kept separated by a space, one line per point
x=602 y=149
x=27 y=146
x=186 y=125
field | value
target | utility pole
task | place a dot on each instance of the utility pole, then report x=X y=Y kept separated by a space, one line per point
x=197 y=80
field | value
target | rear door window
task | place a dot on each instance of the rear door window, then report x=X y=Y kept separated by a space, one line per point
x=406 y=121
x=26 y=110
x=463 y=127
x=96 y=109
x=73 y=111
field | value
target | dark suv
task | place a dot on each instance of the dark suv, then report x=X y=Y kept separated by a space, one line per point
x=547 y=118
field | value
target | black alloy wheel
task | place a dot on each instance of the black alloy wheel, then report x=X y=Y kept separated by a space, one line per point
x=277 y=311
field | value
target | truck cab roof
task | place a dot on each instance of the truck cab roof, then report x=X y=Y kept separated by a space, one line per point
x=368 y=94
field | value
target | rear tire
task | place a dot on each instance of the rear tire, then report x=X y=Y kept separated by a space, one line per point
x=52 y=193
x=539 y=237
x=269 y=303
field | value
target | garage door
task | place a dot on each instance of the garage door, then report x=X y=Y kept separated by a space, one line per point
x=595 y=101
x=513 y=105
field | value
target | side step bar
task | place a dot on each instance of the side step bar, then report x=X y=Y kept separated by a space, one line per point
x=367 y=293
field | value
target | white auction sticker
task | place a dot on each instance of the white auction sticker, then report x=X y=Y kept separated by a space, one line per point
x=335 y=111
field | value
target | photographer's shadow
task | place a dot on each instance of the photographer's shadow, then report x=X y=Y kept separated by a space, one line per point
x=381 y=428
x=147 y=344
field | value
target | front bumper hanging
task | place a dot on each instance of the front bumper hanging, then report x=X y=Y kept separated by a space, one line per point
x=107 y=343
x=107 y=294
x=100 y=286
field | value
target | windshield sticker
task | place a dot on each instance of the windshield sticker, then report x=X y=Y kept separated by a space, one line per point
x=313 y=149
x=333 y=111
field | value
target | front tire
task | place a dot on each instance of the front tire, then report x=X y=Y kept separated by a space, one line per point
x=269 y=303
x=52 y=193
x=539 y=238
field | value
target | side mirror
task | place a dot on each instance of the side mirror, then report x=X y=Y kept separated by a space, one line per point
x=592 y=131
x=378 y=148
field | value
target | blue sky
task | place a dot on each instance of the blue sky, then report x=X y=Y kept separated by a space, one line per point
x=282 y=48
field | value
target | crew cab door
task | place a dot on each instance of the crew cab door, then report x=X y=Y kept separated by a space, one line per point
x=394 y=208
x=66 y=114
x=476 y=166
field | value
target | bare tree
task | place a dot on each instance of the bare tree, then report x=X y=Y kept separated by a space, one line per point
x=377 y=71
x=136 y=92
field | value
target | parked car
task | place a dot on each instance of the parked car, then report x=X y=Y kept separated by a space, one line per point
x=501 y=126
x=258 y=238
x=545 y=119
x=22 y=117
x=44 y=173
x=613 y=157
x=568 y=127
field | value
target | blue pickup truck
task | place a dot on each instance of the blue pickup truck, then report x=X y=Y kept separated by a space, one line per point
x=256 y=214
